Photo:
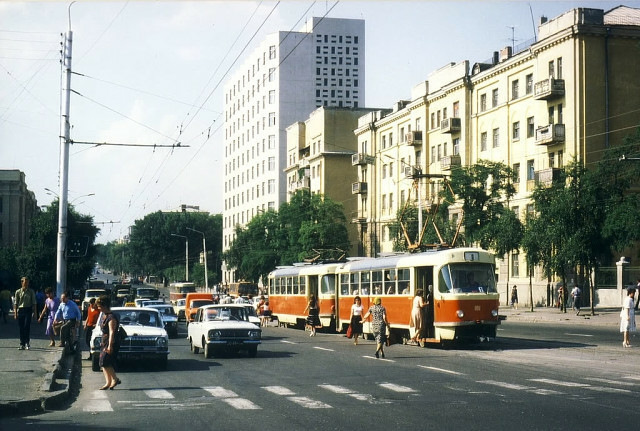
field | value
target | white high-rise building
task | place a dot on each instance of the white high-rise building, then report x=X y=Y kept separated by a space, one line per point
x=281 y=82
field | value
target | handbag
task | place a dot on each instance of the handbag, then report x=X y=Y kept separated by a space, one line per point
x=349 y=332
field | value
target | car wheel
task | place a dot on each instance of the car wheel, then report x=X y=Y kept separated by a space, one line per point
x=208 y=350
x=194 y=349
x=95 y=362
x=253 y=351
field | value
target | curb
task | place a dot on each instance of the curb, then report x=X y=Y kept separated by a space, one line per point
x=55 y=390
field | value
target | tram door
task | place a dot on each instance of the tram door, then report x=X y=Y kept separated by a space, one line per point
x=313 y=287
x=424 y=282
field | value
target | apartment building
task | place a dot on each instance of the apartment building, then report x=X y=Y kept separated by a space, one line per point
x=320 y=153
x=281 y=82
x=18 y=206
x=568 y=95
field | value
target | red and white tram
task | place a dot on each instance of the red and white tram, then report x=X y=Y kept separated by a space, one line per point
x=461 y=280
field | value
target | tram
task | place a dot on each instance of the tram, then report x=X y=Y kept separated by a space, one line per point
x=460 y=283
x=243 y=288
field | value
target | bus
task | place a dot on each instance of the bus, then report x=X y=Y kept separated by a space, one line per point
x=461 y=283
x=243 y=288
x=179 y=290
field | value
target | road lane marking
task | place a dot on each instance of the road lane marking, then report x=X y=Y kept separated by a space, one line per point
x=162 y=394
x=561 y=383
x=220 y=392
x=309 y=403
x=288 y=342
x=279 y=390
x=381 y=359
x=241 y=404
x=323 y=348
x=99 y=402
x=337 y=389
x=612 y=382
x=579 y=335
x=506 y=385
x=396 y=388
x=442 y=370
x=609 y=390
x=545 y=392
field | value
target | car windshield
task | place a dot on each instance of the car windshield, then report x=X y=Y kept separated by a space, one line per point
x=250 y=310
x=200 y=302
x=181 y=302
x=226 y=313
x=166 y=311
x=467 y=278
x=94 y=293
x=138 y=317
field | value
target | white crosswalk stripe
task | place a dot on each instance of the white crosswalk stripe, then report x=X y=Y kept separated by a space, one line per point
x=396 y=388
x=302 y=401
x=161 y=394
x=98 y=403
x=353 y=394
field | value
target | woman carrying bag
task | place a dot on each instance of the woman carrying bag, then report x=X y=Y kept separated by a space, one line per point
x=355 y=328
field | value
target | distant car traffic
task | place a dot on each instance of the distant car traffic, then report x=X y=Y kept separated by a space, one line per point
x=146 y=338
x=223 y=327
x=169 y=317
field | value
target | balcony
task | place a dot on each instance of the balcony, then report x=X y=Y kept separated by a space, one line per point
x=451 y=125
x=358 y=188
x=550 y=134
x=412 y=171
x=358 y=217
x=548 y=89
x=361 y=159
x=414 y=138
x=547 y=176
x=446 y=163
x=302 y=183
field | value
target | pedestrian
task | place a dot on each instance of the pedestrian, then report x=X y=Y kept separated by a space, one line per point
x=265 y=314
x=416 y=319
x=313 y=318
x=379 y=324
x=5 y=303
x=575 y=294
x=24 y=308
x=627 y=317
x=70 y=316
x=110 y=343
x=638 y=299
x=51 y=305
x=356 y=316
x=562 y=298
x=514 y=296
x=92 y=319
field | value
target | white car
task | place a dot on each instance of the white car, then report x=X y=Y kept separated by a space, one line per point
x=146 y=339
x=180 y=307
x=169 y=317
x=220 y=327
x=88 y=294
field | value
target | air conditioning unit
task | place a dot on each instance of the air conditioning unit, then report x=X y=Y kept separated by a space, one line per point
x=411 y=171
x=358 y=188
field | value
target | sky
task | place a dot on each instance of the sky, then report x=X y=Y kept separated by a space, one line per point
x=151 y=74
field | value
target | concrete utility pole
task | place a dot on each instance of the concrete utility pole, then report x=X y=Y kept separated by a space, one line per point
x=61 y=264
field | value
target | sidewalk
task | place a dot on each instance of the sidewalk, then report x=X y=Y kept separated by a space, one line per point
x=32 y=380
x=609 y=317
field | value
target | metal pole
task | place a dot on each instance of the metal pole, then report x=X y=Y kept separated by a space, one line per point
x=186 y=255
x=204 y=250
x=61 y=264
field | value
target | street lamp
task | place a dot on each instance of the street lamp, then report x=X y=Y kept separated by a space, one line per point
x=204 y=250
x=186 y=255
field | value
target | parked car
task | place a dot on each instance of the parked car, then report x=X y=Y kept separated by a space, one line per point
x=225 y=327
x=180 y=308
x=146 y=337
x=169 y=317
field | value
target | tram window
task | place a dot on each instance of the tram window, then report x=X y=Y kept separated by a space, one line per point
x=303 y=289
x=328 y=285
x=365 y=283
x=355 y=283
x=295 y=285
x=467 y=278
x=289 y=285
x=390 y=282
x=377 y=282
x=403 y=281
x=344 y=284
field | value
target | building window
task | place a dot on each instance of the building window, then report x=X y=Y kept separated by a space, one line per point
x=390 y=139
x=272 y=118
x=515 y=133
x=272 y=72
x=483 y=103
x=391 y=170
x=552 y=73
x=456 y=146
x=272 y=96
x=551 y=159
x=272 y=163
x=560 y=161
x=272 y=52
x=390 y=203
x=433 y=154
x=551 y=115
x=433 y=120
x=384 y=203
x=529 y=83
x=456 y=109
x=559 y=67
x=496 y=138
x=560 y=119
x=515 y=88
x=530 y=127
x=515 y=264
x=271 y=186
x=531 y=174
x=384 y=171
x=483 y=141
x=439 y=152
x=494 y=98
x=516 y=171
x=384 y=141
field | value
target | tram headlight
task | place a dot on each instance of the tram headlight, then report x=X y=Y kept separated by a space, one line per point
x=494 y=313
x=460 y=314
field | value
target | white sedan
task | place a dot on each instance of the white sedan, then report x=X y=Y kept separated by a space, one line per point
x=146 y=339
x=223 y=327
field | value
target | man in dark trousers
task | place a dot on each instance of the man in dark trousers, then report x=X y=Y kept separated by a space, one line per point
x=24 y=308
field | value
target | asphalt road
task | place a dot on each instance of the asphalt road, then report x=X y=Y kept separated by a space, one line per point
x=534 y=376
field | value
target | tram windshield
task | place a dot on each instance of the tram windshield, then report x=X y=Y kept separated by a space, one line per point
x=467 y=278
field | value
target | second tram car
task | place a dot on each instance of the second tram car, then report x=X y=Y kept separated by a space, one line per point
x=460 y=283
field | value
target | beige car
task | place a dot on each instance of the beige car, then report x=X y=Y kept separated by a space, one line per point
x=179 y=307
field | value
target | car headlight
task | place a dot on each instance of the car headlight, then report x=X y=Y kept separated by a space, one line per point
x=494 y=313
x=460 y=314
x=254 y=334
x=161 y=342
x=214 y=333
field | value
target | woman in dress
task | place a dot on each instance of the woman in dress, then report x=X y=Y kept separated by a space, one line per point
x=627 y=317
x=416 y=320
x=313 y=318
x=356 y=317
x=110 y=343
x=379 y=324
x=51 y=305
